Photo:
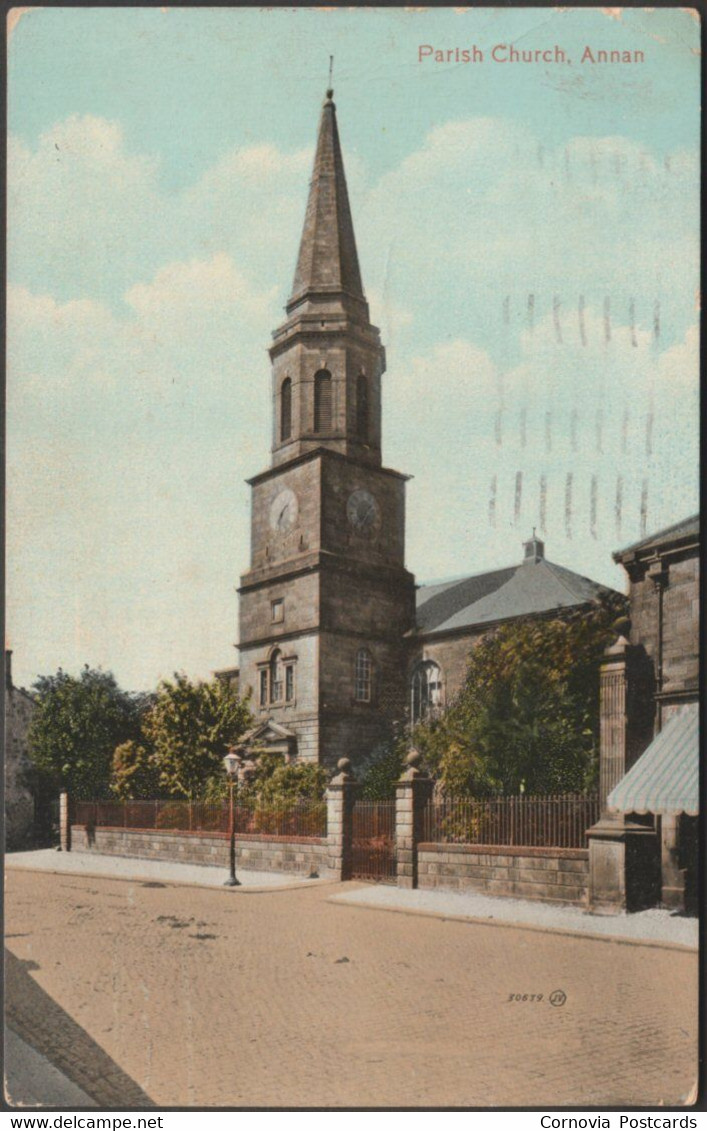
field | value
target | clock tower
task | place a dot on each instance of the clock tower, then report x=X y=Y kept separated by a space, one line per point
x=327 y=600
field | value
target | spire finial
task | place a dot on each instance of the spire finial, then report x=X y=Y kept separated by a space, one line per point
x=330 y=90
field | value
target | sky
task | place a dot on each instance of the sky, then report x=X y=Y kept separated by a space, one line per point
x=528 y=239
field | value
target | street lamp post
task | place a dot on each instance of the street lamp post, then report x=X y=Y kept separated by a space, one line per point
x=231 y=763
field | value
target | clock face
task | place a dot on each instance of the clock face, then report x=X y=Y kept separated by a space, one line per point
x=283 y=511
x=363 y=511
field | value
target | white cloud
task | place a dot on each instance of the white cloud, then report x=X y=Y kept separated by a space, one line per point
x=89 y=217
x=484 y=210
x=199 y=287
x=81 y=209
x=129 y=438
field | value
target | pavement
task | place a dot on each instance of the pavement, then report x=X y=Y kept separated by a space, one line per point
x=149 y=994
x=655 y=927
x=31 y=1080
x=159 y=871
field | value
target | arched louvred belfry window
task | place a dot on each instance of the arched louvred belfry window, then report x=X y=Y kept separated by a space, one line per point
x=322 y=401
x=362 y=407
x=425 y=691
x=286 y=409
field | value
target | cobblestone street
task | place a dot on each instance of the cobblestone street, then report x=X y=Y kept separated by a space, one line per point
x=150 y=994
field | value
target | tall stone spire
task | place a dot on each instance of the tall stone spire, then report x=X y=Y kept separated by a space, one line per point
x=327 y=357
x=327 y=263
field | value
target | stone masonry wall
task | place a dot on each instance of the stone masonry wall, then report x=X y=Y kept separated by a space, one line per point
x=254 y=853
x=553 y=874
x=451 y=653
x=681 y=627
x=681 y=622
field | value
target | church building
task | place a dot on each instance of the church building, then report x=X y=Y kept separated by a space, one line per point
x=336 y=640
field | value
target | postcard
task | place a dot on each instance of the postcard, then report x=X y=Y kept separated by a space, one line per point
x=351 y=669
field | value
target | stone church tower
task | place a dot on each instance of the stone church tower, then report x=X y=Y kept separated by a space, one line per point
x=327 y=598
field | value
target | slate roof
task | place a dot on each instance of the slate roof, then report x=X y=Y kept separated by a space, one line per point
x=687 y=528
x=532 y=587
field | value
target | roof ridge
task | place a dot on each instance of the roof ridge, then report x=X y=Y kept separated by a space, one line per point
x=553 y=570
x=468 y=576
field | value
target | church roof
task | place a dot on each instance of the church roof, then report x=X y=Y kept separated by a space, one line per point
x=327 y=261
x=528 y=589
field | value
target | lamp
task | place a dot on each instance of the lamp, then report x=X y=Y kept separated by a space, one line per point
x=231 y=762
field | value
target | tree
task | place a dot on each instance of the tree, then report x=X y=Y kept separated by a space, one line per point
x=281 y=783
x=75 y=728
x=135 y=773
x=379 y=772
x=528 y=713
x=189 y=726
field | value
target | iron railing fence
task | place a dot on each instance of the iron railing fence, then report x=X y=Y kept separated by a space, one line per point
x=526 y=822
x=297 y=818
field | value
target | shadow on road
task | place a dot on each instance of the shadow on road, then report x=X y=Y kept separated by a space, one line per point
x=37 y=1018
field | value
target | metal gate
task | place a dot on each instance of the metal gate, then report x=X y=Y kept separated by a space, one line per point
x=374 y=856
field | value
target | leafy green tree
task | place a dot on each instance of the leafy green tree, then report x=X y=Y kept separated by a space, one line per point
x=189 y=726
x=379 y=773
x=528 y=713
x=287 y=782
x=75 y=728
x=276 y=783
x=135 y=774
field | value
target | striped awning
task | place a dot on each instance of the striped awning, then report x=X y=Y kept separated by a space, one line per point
x=665 y=779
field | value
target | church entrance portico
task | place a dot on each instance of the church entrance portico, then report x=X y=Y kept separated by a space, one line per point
x=270 y=738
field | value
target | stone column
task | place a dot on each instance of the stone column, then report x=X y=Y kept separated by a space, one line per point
x=412 y=793
x=340 y=798
x=623 y=856
x=613 y=717
x=64 y=822
x=672 y=874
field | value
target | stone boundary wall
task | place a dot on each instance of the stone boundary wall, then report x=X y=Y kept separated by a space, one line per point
x=558 y=875
x=257 y=853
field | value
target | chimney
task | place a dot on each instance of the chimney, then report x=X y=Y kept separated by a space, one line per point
x=8 y=669
x=534 y=550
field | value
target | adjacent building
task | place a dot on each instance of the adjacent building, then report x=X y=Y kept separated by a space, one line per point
x=644 y=849
x=453 y=616
x=664 y=597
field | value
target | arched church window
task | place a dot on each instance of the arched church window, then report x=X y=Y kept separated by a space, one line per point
x=425 y=691
x=322 y=401
x=362 y=407
x=276 y=676
x=286 y=409
x=362 y=676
